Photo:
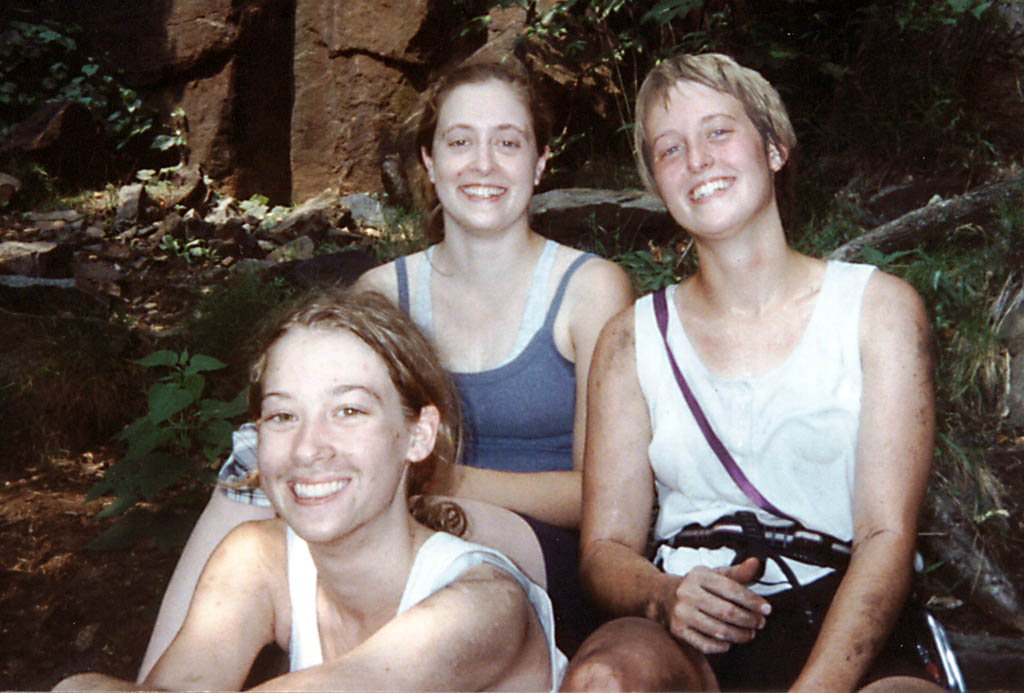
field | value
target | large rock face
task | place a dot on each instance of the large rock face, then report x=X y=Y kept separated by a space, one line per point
x=227 y=63
x=348 y=89
x=282 y=97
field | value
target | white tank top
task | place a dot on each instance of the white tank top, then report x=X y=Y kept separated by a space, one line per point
x=441 y=559
x=793 y=430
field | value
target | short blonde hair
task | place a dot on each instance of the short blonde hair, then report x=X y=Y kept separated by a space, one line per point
x=760 y=100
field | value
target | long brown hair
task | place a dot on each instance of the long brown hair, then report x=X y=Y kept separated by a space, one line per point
x=417 y=131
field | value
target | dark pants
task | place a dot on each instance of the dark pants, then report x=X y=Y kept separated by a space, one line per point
x=776 y=655
x=575 y=616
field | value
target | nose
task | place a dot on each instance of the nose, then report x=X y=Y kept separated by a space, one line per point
x=311 y=442
x=698 y=158
x=483 y=158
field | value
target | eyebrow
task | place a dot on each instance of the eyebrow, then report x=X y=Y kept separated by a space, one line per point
x=335 y=391
x=703 y=120
x=500 y=127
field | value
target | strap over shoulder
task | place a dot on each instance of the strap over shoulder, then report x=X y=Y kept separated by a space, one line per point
x=733 y=469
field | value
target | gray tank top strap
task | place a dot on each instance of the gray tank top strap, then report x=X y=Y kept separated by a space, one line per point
x=536 y=301
x=556 y=300
x=422 y=306
x=402 y=276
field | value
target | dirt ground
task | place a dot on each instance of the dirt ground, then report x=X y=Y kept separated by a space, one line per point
x=66 y=609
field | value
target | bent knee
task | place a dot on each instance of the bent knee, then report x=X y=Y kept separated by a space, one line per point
x=632 y=654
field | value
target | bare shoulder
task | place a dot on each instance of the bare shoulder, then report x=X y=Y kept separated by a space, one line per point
x=616 y=346
x=891 y=307
x=599 y=289
x=488 y=576
x=251 y=544
x=494 y=591
x=381 y=279
x=600 y=274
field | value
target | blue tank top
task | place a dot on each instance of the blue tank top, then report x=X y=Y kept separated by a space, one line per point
x=519 y=416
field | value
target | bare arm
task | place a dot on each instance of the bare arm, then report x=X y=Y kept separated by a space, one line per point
x=894 y=451
x=706 y=608
x=479 y=632
x=597 y=291
x=220 y=516
x=232 y=615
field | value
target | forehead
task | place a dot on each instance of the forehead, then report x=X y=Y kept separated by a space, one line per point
x=490 y=103
x=687 y=101
x=329 y=356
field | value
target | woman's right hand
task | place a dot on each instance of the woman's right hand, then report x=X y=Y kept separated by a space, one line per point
x=711 y=609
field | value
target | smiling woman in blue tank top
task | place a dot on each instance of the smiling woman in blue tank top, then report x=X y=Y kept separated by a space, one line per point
x=514 y=318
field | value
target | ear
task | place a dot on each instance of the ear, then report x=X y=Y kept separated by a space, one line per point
x=424 y=434
x=542 y=162
x=428 y=162
x=777 y=157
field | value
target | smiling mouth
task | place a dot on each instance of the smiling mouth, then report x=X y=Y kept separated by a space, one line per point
x=483 y=192
x=318 y=490
x=709 y=188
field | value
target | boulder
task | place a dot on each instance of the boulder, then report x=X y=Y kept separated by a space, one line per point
x=48 y=297
x=8 y=186
x=226 y=63
x=64 y=138
x=34 y=258
x=571 y=213
x=130 y=201
x=312 y=218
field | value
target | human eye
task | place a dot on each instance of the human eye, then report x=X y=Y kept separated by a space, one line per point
x=348 y=411
x=719 y=133
x=278 y=418
x=666 y=151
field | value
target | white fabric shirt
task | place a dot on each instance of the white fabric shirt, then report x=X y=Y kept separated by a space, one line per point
x=793 y=430
x=441 y=559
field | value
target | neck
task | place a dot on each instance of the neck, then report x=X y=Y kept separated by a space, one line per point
x=475 y=258
x=749 y=273
x=365 y=575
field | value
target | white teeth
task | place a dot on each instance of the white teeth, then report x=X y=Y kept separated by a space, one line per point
x=319 y=490
x=483 y=190
x=705 y=189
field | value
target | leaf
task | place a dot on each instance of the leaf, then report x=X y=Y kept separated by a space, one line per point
x=144 y=438
x=166 y=400
x=215 y=408
x=158 y=471
x=217 y=433
x=120 y=504
x=124 y=533
x=165 y=357
x=202 y=362
x=667 y=10
x=164 y=142
x=194 y=383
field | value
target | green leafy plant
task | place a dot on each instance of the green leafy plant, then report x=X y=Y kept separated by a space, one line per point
x=177 y=442
x=43 y=63
x=227 y=315
x=190 y=249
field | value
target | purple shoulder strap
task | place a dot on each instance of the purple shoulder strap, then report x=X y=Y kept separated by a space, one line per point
x=737 y=475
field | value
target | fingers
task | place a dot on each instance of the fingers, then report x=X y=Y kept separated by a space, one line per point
x=713 y=610
x=745 y=573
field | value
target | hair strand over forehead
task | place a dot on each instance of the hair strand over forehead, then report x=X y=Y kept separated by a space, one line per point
x=761 y=103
